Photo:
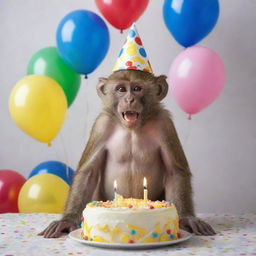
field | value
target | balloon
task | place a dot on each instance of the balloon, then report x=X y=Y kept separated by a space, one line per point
x=38 y=106
x=48 y=62
x=43 y=193
x=56 y=168
x=82 y=40
x=196 y=78
x=189 y=21
x=10 y=185
x=122 y=13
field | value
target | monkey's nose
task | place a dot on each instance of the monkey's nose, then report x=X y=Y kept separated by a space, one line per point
x=130 y=100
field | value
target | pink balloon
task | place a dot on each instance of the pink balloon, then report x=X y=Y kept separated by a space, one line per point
x=196 y=78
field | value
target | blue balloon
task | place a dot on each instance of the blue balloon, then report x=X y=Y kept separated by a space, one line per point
x=54 y=167
x=189 y=21
x=82 y=40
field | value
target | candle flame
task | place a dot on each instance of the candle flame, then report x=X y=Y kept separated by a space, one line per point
x=115 y=184
x=145 y=182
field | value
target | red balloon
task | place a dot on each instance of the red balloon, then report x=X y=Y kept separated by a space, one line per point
x=122 y=13
x=10 y=185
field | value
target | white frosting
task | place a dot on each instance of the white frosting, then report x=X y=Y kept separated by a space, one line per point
x=121 y=217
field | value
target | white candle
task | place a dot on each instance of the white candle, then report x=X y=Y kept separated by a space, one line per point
x=145 y=189
x=115 y=191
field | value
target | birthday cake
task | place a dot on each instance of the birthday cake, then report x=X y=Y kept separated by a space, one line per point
x=130 y=221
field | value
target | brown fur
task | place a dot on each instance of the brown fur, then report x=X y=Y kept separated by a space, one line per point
x=116 y=150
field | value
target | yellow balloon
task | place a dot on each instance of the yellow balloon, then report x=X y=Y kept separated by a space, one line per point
x=38 y=106
x=43 y=193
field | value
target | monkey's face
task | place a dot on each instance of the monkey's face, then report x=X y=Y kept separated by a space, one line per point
x=132 y=96
x=129 y=103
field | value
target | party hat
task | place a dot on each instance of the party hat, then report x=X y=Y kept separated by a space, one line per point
x=133 y=55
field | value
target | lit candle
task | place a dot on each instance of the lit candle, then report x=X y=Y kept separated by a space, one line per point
x=115 y=192
x=145 y=189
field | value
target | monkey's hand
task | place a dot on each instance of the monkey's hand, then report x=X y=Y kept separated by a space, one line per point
x=196 y=225
x=57 y=228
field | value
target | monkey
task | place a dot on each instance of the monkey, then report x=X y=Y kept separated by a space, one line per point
x=133 y=137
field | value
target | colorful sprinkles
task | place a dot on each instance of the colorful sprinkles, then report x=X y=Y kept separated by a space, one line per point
x=132 y=232
x=154 y=235
x=235 y=236
x=130 y=203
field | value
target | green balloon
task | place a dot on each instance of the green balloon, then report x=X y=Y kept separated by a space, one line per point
x=48 y=62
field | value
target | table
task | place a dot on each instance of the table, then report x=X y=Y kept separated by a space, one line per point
x=18 y=237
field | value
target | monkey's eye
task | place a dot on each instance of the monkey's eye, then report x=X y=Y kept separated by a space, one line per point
x=137 y=88
x=120 y=88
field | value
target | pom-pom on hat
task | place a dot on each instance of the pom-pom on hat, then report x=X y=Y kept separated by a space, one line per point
x=133 y=55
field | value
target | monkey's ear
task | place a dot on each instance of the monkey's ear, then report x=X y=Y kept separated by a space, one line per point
x=101 y=86
x=162 y=87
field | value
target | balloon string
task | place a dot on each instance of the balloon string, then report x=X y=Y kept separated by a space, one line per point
x=49 y=144
x=188 y=134
x=65 y=155
x=85 y=77
x=121 y=31
x=189 y=117
x=86 y=108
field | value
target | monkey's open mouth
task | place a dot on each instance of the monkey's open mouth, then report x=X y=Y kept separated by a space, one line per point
x=130 y=117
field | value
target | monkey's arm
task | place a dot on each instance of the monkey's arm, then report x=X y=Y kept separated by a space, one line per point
x=178 y=187
x=86 y=183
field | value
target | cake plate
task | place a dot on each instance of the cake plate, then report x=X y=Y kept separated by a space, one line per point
x=75 y=235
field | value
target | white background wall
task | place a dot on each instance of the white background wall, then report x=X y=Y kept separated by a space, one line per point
x=220 y=142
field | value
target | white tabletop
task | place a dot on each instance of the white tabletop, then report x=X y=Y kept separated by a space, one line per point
x=18 y=237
